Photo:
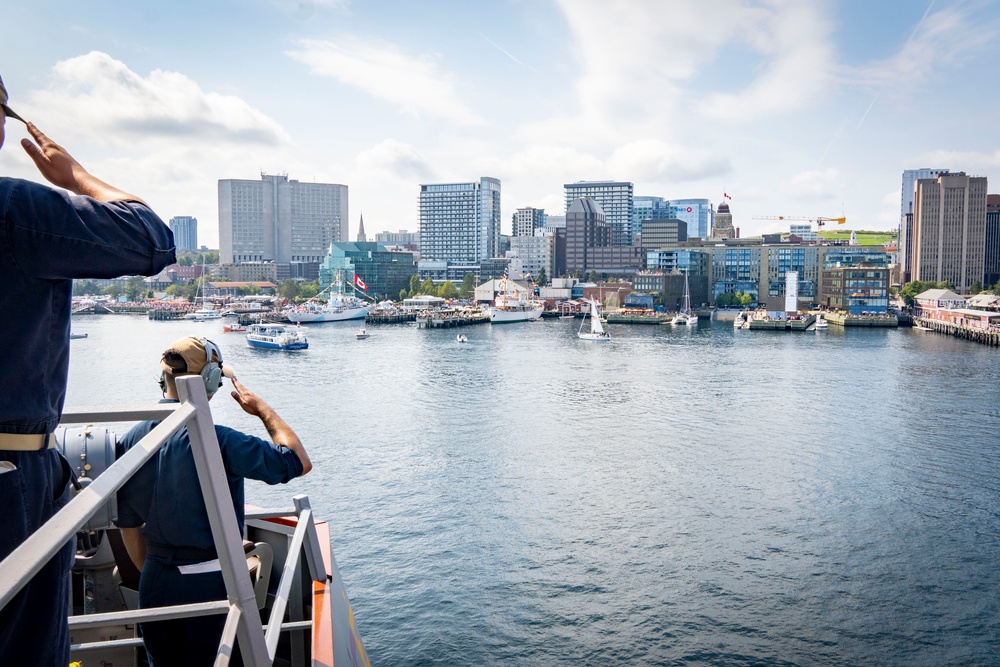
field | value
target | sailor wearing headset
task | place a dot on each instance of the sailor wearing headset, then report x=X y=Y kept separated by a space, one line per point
x=161 y=512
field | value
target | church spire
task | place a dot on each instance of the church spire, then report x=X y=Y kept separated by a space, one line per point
x=361 y=230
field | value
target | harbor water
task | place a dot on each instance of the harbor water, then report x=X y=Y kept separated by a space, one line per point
x=669 y=497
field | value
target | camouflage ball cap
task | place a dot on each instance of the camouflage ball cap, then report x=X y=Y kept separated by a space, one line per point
x=187 y=356
x=3 y=103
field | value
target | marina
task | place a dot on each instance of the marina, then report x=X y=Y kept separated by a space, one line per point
x=491 y=541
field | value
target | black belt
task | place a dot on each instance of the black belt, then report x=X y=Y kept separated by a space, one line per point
x=180 y=553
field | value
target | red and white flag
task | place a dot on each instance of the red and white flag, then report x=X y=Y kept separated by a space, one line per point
x=727 y=196
x=360 y=283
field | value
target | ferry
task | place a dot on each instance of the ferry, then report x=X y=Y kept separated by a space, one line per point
x=267 y=336
x=285 y=599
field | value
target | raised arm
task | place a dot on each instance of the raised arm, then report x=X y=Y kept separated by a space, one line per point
x=59 y=168
x=280 y=432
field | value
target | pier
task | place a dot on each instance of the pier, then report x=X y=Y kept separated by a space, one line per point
x=783 y=325
x=389 y=317
x=165 y=314
x=638 y=318
x=989 y=337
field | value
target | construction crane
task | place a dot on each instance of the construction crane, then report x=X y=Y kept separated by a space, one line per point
x=819 y=220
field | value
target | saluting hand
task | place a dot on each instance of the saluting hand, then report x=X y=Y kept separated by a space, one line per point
x=251 y=403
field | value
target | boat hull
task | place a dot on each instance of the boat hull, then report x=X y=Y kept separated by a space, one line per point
x=274 y=345
x=500 y=316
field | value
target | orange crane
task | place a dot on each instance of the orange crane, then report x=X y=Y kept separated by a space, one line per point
x=819 y=220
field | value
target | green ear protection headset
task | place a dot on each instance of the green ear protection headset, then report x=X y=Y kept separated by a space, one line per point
x=211 y=372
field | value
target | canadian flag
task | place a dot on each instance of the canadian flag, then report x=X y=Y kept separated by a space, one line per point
x=360 y=283
x=727 y=196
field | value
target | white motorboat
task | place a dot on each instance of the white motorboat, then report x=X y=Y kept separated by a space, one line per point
x=821 y=323
x=462 y=338
x=597 y=331
x=268 y=336
x=362 y=334
x=740 y=320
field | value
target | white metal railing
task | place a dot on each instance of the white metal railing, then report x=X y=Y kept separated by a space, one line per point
x=243 y=618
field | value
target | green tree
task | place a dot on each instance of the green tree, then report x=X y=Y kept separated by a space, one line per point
x=134 y=288
x=468 y=288
x=976 y=288
x=403 y=294
x=185 y=260
x=996 y=288
x=592 y=276
x=113 y=291
x=84 y=287
x=428 y=287
x=542 y=279
x=448 y=290
x=308 y=290
x=289 y=289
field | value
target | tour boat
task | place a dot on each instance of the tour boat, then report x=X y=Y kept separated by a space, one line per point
x=285 y=598
x=268 y=336
x=597 y=331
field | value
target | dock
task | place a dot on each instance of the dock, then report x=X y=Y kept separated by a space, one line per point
x=842 y=320
x=388 y=317
x=165 y=314
x=452 y=320
x=637 y=318
x=783 y=325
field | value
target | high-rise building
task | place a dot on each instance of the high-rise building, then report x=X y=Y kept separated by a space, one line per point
x=460 y=222
x=185 y=229
x=402 y=237
x=615 y=199
x=586 y=228
x=280 y=220
x=697 y=213
x=526 y=220
x=905 y=236
x=949 y=229
x=991 y=262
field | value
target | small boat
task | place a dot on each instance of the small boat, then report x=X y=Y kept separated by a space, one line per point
x=740 y=320
x=74 y=336
x=267 y=336
x=362 y=334
x=597 y=331
x=685 y=316
x=462 y=338
x=234 y=328
x=821 y=323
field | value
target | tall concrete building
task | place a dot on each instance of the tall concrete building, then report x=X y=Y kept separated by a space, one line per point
x=460 y=222
x=280 y=220
x=698 y=213
x=905 y=236
x=615 y=198
x=185 y=229
x=949 y=229
x=650 y=208
x=526 y=220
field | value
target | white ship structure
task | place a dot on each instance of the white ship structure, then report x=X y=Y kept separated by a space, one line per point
x=338 y=308
x=510 y=306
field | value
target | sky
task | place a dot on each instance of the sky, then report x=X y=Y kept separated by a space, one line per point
x=791 y=108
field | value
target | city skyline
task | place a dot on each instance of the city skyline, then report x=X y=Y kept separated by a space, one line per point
x=790 y=109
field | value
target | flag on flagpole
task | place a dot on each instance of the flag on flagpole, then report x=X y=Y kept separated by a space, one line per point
x=360 y=283
x=727 y=196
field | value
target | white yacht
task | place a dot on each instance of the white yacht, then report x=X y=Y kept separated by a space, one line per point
x=509 y=306
x=685 y=316
x=821 y=323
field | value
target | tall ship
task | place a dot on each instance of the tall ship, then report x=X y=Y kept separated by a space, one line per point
x=511 y=306
x=337 y=308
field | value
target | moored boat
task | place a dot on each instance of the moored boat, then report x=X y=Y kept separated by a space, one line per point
x=234 y=328
x=269 y=336
x=511 y=306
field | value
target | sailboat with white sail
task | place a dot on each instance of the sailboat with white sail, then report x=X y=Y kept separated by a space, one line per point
x=686 y=316
x=205 y=312
x=597 y=331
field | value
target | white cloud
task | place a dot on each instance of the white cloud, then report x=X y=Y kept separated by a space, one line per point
x=387 y=73
x=816 y=184
x=96 y=95
x=966 y=160
x=395 y=158
x=656 y=161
